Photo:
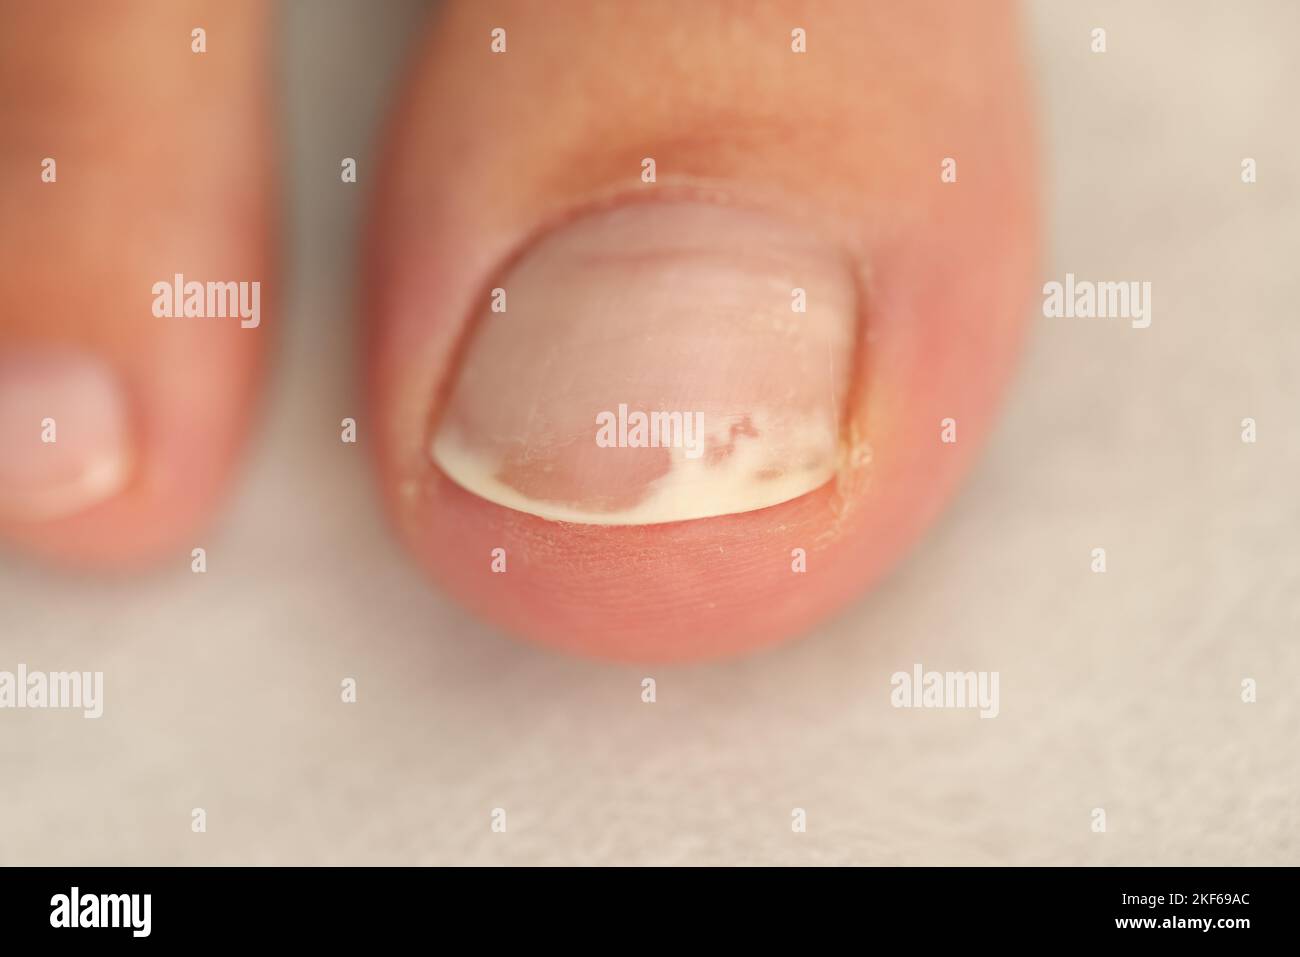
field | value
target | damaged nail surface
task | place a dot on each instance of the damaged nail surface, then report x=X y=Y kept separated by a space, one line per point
x=655 y=363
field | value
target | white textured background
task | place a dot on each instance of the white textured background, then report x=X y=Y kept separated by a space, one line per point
x=1118 y=691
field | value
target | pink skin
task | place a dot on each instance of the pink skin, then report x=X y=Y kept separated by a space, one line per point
x=143 y=192
x=486 y=152
x=846 y=140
